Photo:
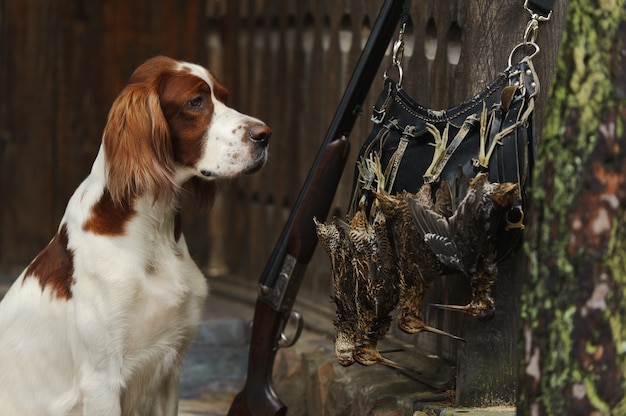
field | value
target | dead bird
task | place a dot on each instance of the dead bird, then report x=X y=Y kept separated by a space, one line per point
x=364 y=276
x=466 y=241
x=334 y=238
x=375 y=267
x=373 y=306
x=418 y=265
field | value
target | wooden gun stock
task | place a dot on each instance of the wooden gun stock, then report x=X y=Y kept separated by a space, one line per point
x=258 y=396
x=281 y=278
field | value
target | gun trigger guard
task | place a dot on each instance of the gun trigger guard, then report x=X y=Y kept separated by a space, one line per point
x=284 y=341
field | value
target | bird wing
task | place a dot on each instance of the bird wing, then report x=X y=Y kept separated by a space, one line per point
x=436 y=233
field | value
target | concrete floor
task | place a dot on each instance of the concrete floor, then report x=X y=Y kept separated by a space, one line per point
x=215 y=368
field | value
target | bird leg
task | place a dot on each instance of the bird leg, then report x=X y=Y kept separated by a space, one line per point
x=440 y=144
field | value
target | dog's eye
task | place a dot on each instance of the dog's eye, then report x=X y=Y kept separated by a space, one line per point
x=195 y=102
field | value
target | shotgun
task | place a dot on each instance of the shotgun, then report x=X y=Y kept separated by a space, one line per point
x=281 y=278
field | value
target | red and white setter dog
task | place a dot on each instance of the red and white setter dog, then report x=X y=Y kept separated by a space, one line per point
x=99 y=322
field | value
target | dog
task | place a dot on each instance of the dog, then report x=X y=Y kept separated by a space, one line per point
x=99 y=322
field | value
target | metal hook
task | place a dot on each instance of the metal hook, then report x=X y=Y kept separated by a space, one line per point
x=398 y=55
x=398 y=47
x=400 y=74
x=530 y=34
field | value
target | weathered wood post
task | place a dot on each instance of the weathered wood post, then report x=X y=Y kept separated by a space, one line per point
x=574 y=304
x=459 y=48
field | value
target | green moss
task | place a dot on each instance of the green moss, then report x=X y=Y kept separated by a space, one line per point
x=616 y=267
x=579 y=95
x=595 y=400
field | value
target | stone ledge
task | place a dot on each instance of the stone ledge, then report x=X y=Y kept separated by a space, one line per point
x=466 y=411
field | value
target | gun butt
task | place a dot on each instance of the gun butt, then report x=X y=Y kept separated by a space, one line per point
x=258 y=397
x=271 y=407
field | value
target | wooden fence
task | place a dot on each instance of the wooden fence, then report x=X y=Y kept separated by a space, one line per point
x=286 y=62
x=62 y=65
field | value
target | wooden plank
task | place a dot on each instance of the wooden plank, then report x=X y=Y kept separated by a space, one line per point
x=79 y=112
x=27 y=168
x=59 y=96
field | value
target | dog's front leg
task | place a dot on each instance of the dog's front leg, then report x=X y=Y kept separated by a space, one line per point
x=100 y=399
x=166 y=402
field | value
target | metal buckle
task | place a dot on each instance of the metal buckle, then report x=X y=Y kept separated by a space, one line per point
x=515 y=223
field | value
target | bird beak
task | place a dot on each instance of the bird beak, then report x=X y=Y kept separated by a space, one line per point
x=456 y=308
x=440 y=332
x=484 y=315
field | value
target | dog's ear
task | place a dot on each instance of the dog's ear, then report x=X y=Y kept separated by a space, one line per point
x=138 y=147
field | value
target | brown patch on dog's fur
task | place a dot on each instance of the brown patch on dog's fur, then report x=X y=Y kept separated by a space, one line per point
x=109 y=218
x=54 y=266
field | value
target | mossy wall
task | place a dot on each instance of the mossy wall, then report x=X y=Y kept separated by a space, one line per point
x=574 y=304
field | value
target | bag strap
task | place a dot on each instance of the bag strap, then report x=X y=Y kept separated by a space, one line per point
x=541 y=8
x=406 y=12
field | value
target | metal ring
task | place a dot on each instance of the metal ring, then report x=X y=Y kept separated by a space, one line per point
x=524 y=45
x=517 y=223
x=400 y=74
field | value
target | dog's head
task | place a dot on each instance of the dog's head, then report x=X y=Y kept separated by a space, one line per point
x=172 y=123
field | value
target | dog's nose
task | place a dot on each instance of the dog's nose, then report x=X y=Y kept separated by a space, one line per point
x=260 y=134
